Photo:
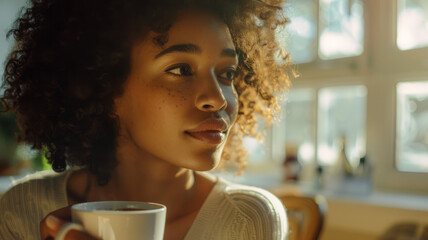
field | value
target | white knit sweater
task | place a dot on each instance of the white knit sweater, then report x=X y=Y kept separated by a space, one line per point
x=230 y=211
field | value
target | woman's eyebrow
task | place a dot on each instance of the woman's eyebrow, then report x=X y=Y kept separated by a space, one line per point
x=187 y=48
x=195 y=49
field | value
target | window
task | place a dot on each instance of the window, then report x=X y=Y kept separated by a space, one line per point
x=412 y=127
x=301 y=32
x=297 y=129
x=363 y=79
x=412 y=24
x=341 y=115
x=338 y=32
x=341 y=28
x=259 y=150
x=325 y=37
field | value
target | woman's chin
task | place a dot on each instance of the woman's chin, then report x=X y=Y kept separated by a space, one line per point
x=204 y=163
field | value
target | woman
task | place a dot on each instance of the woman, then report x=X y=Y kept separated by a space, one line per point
x=141 y=96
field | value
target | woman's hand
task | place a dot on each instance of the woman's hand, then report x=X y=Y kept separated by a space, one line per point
x=50 y=225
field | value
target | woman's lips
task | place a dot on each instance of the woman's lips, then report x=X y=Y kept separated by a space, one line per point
x=209 y=136
x=210 y=131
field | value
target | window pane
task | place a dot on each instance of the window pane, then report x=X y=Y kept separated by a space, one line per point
x=341 y=28
x=341 y=114
x=412 y=24
x=412 y=127
x=259 y=151
x=300 y=122
x=296 y=133
x=300 y=34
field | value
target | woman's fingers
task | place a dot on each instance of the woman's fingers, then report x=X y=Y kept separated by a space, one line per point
x=79 y=235
x=50 y=225
x=52 y=222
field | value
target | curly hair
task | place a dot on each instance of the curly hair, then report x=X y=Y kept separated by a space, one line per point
x=72 y=58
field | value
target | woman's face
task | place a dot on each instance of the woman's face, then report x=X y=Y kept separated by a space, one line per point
x=179 y=102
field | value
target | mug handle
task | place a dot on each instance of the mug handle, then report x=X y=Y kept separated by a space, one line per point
x=65 y=228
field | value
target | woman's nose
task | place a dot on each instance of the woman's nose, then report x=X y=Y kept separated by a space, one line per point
x=210 y=97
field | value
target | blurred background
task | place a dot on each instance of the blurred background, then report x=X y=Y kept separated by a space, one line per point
x=354 y=125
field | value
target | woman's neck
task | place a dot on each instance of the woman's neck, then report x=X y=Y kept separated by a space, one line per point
x=143 y=177
x=150 y=181
x=182 y=191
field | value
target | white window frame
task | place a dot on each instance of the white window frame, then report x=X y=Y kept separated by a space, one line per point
x=381 y=66
x=395 y=66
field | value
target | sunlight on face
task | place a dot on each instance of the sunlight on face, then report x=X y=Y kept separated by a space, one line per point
x=179 y=102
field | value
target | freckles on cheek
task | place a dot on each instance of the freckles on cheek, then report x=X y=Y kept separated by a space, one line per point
x=177 y=96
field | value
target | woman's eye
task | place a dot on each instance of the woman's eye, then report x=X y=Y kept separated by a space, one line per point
x=180 y=70
x=229 y=74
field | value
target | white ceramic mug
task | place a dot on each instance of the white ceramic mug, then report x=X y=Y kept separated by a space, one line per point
x=117 y=220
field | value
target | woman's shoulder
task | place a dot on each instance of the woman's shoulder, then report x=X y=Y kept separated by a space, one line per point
x=252 y=199
x=241 y=195
x=26 y=202
x=42 y=181
x=241 y=209
x=37 y=188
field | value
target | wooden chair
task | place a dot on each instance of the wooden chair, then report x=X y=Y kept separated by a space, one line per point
x=305 y=216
